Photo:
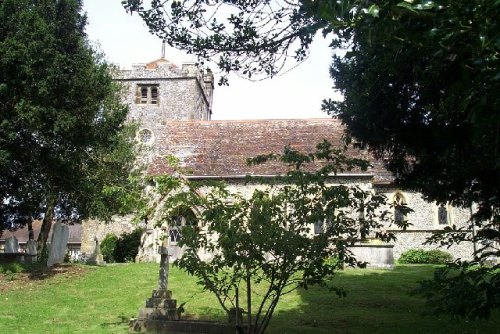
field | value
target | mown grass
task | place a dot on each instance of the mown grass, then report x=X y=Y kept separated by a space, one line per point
x=102 y=299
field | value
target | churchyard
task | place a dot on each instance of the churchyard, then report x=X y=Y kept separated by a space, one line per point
x=101 y=299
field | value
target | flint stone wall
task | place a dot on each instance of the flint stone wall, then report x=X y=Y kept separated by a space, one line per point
x=415 y=239
x=423 y=219
x=95 y=228
x=425 y=214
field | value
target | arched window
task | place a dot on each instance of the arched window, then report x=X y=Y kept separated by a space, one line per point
x=443 y=214
x=399 y=214
x=182 y=217
x=318 y=227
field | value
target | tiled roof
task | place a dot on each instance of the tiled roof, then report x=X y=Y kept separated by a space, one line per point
x=160 y=62
x=221 y=148
x=75 y=233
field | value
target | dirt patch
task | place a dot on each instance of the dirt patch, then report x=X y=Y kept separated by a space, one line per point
x=37 y=275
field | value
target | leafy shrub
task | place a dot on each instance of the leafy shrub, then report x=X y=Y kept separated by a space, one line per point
x=434 y=256
x=127 y=246
x=108 y=246
x=11 y=268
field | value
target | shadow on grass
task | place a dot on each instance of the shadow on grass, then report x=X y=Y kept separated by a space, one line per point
x=122 y=320
x=378 y=301
x=38 y=271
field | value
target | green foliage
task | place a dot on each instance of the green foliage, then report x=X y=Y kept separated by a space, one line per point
x=419 y=81
x=13 y=267
x=420 y=88
x=375 y=297
x=248 y=37
x=420 y=84
x=127 y=246
x=108 y=246
x=267 y=237
x=434 y=256
x=63 y=141
x=463 y=290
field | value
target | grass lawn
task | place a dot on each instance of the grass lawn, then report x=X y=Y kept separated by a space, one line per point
x=86 y=299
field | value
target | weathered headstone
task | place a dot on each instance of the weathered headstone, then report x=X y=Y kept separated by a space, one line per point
x=59 y=241
x=96 y=257
x=31 y=247
x=31 y=250
x=11 y=245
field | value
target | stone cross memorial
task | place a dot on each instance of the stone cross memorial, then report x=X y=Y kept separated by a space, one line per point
x=97 y=257
x=163 y=274
x=160 y=307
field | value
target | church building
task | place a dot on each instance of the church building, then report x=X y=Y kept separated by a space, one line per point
x=173 y=106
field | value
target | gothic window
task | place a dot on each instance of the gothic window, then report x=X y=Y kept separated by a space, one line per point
x=399 y=216
x=318 y=227
x=147 y=94
x=443 y=215
x=182 y=218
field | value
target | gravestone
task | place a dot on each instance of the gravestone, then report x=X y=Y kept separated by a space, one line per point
x=31 y=250
x=161 y=315
x=11 y=245
x=31 y=247
x=59 y=241
x=96 y=257
x=160 y=306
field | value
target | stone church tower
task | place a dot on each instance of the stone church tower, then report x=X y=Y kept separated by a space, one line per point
x=160 y=91
x=156 y=93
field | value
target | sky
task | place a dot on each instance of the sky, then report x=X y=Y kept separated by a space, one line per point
x=125 y=40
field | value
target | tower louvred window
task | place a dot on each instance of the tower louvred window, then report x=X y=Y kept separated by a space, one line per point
x=147 y=94
x=154 y=95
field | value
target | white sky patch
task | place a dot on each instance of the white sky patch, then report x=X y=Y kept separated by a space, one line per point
x=296 y=94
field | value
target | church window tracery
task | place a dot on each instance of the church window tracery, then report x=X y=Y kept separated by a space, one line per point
x=443 y=215
x=184 y=217
x=399 y=215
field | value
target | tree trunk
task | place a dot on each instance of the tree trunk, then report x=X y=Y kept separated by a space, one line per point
x=249 y=302
x=31 y=235
x=45 y=229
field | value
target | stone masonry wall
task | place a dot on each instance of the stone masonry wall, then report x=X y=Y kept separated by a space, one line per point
x=415 y=239
x=425 y=214
x=424 y=221
x=94 y=228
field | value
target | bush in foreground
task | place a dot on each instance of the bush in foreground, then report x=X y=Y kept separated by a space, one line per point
x=127 y=246
x=422 y=256
x=108 y=246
